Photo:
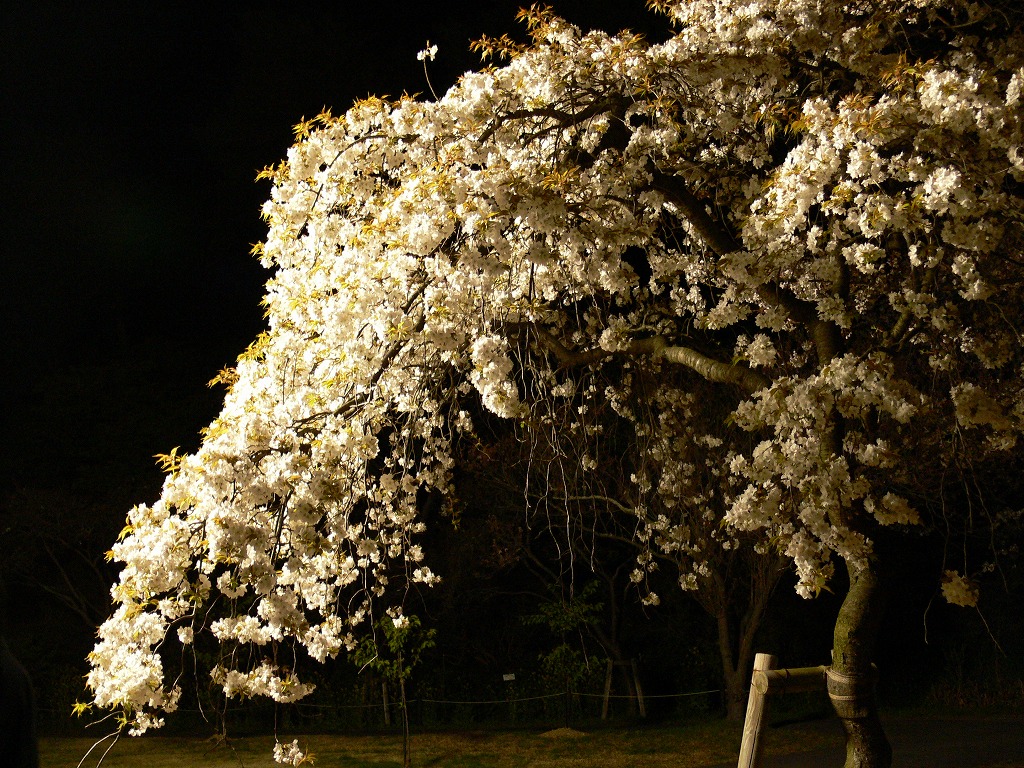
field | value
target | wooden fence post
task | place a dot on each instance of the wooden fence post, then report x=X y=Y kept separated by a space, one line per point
x=639 y=690
x=750 y=748
x=607 y=689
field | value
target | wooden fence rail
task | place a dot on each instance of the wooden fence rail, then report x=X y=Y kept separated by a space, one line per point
x=767 y=681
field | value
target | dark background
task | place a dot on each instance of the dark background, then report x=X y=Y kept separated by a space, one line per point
x=132 y=136
x=132 y=133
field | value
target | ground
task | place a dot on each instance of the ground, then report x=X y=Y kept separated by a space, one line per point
x=919 y=741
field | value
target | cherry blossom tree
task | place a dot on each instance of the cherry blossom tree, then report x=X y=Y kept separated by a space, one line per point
x=811 y=208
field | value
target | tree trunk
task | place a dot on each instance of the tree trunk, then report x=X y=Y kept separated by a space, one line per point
x=406 y=751
x=733 y=674
x=736 y=664
x=851 y=679
x=735 y=694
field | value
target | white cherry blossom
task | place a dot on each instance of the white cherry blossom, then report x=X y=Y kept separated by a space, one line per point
x=810 y=209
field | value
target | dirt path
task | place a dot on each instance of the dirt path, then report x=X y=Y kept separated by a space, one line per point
x=922 y=742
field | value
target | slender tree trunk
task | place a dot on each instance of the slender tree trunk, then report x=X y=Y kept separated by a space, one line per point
x=406 y=752
x=851 y=679
x=738 y=661
x=733 y=673
x=386 y=698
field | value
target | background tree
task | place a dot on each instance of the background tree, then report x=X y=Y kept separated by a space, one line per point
x=568 y=615
x=393 y=652
x=813 y=206
x=58 y=517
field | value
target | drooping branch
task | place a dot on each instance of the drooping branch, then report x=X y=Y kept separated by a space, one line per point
x=304 y=425
x=715 y=234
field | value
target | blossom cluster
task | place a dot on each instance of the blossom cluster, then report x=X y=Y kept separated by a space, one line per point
x=771 y=205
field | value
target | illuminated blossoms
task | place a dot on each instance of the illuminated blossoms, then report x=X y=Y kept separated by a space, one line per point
x=814 y=213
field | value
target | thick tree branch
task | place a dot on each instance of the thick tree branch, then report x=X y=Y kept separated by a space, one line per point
x=714 y=370
x=826 y=336
x=658 y=347
x=828 y=341
x=714 y=234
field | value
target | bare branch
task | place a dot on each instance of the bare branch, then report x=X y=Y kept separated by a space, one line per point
x=561 y=117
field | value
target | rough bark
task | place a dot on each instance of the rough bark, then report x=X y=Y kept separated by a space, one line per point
x=851 y=679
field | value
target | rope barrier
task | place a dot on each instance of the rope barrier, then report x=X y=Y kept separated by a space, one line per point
x=510 y=701
x=338 y=706
x=306 y=705
x=646 y=695
x=492 y=701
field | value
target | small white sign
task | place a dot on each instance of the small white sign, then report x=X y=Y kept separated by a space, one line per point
x=508 y=678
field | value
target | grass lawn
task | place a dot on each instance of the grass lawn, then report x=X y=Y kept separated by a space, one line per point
x=684 y=746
